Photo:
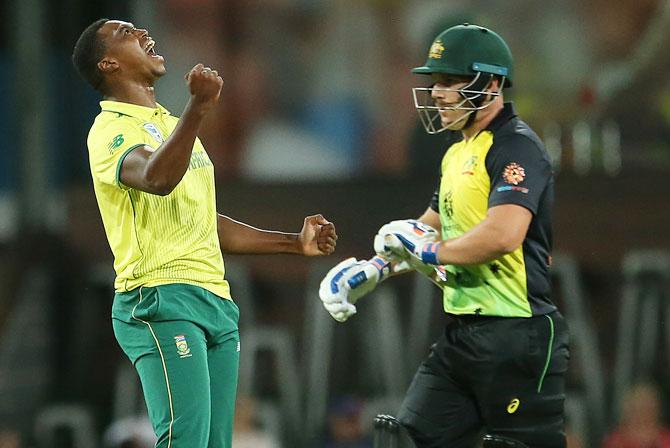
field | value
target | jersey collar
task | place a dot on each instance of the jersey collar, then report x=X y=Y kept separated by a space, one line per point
x=505 y=115
x=133 y=110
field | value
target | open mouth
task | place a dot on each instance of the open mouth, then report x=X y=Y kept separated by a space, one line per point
x=149 y=48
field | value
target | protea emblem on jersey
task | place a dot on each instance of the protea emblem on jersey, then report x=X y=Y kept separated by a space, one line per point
x=436 y=50
x=182 y=346
x=514 y=173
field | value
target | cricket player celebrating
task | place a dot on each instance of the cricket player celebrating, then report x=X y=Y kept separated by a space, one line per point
x=172 y=314
x=499 y=366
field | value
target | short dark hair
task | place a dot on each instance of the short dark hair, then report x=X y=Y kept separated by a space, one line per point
x=87 y=53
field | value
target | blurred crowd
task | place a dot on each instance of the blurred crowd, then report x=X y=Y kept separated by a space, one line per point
x=321 y=89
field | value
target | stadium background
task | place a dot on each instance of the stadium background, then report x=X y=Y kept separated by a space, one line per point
x=316 y=116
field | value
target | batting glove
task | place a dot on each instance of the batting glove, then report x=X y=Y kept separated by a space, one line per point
x=347 y=282
x=400 y=240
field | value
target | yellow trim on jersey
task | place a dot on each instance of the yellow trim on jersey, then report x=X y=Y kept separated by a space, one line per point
x=156 y=240
x=497 y=288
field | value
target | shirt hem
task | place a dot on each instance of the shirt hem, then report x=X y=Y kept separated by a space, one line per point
x=221 y=292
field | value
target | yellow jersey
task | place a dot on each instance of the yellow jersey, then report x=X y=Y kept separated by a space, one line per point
x=156 y=240
x=506 y=163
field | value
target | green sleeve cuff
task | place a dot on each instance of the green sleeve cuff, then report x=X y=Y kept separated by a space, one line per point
x=120 y=163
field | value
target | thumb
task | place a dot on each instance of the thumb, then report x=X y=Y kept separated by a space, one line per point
x=321 y=220
x=317 y=219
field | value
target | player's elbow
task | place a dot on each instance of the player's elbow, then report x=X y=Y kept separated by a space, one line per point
x=158 y=185
x=164 y=191
x=508 y=242
x=508 y=247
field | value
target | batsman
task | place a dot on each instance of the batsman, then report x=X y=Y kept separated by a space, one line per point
x=499 y=366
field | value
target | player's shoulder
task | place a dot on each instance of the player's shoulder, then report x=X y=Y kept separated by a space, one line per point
x=515 y=130
x=517 y=137
x=108 y=125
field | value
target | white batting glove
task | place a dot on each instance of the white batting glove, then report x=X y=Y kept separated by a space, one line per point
x=406 y=239
x=347 y=282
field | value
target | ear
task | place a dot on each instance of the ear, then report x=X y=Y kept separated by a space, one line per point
x=108 y=65
x=494 y=86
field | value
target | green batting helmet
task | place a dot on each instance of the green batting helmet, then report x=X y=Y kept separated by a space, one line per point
x=467 y=49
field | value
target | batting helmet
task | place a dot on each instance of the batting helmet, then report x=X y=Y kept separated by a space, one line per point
x=466 y=50
x=469 y=51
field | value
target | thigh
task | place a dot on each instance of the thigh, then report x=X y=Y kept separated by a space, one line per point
x=523 y=395
x=438 y=410
x=171 y=360
x=224 y=360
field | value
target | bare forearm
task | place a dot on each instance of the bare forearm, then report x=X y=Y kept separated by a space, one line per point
x=501 y=232
x=168 y=164
x=483 y=243
x=430 y=217
x=238 y=238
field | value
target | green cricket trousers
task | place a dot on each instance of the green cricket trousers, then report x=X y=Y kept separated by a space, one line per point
x=184 y=343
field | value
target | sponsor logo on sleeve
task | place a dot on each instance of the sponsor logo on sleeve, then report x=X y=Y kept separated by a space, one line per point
x=115 y=143
x=513 y=174
x=512 y=188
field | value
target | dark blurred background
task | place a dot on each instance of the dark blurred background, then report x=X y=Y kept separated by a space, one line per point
x=316 y=115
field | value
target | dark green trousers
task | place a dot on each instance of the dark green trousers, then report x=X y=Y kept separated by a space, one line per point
x=184 y=343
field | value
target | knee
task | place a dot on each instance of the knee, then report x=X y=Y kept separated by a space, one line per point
x=410 y=422
x=417 y=429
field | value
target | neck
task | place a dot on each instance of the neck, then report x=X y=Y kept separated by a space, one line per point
x=133 y=93
x=483 y=118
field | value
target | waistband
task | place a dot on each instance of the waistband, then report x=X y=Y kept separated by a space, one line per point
x=469 y=319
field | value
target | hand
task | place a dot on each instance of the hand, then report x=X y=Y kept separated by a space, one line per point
x=399 y=240
x=205 y=86
x=410 y=252
x=348 y=281
x=317 y=237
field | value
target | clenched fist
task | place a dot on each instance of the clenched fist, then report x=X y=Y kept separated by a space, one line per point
x=205 y=86
x=317 y=237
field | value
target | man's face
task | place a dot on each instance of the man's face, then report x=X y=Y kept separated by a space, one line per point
x=131 y=50
x=445 y=95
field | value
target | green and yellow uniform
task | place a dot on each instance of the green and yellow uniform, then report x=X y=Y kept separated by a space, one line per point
x=172 y=314
x=501 y=361
x=139 y=224
x=481 y=173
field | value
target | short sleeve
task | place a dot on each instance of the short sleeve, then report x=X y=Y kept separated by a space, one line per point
x=108 y=147
x=519 y=170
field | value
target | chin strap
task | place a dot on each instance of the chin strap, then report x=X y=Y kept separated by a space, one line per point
x=479 y=83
